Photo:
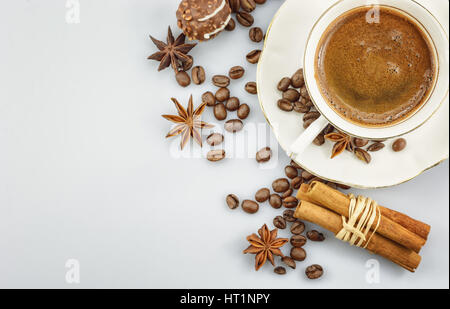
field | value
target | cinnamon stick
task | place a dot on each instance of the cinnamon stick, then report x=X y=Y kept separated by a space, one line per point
x=338 y=202
x=378 y=244
x=417 y=227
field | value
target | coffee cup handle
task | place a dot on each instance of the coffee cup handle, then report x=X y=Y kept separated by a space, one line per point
x=307 y=137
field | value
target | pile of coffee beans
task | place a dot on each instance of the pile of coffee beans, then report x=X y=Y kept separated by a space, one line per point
x=223 y=102
x=282 y=194
x=295 y=98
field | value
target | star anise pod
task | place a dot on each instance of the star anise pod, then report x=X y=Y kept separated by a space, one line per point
x=174 y=52
x=341 y=142
x=188 y=122
x=265 y=246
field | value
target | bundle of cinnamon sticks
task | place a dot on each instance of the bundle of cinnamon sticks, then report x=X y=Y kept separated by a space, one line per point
x=397 y=237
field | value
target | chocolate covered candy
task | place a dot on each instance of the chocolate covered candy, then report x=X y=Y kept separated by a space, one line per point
x=203 y=19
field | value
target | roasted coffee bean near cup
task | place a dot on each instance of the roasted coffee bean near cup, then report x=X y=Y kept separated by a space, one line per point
x=236 y=72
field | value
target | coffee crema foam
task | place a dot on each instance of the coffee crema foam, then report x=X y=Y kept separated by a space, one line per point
x=375 y=72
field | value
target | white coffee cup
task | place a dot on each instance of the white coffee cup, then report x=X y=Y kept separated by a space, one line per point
x=437 y=36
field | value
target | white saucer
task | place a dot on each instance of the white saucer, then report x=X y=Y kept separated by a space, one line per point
x=282 y=56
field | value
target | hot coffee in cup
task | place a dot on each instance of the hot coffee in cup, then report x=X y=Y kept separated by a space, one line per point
x=375 y=66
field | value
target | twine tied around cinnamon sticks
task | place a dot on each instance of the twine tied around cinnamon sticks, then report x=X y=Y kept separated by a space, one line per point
x=389 y=233
x=362 y=212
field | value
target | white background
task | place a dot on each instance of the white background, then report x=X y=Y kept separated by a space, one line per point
x=86 y=174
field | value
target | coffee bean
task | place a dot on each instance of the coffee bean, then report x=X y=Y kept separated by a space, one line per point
x=231 y=25
x=251 y=88
x=250 y=207
x=309 y=103
x=315 y=178
x=314 y=271
x=245 y=19
x=183 y=79
x=343 y=187
x=275 y=201
x=234 y=125
x=287 y=193
x=262 y=195
x=297 y=79
x=279 y=222
x=264 y=155
x=256 y=34
x=350 y=147
x=285 y=105
x=260 y=1
x=243 y=111
x=311 y=115
x=319 y=140
x=308 y=122
x=198 y=75
x=375 y=147
x=235 y=5
x=222 y=94
x=284 y=84
x=290 y=202
x=221 y=81
x=298 y=241
x=300 y=107
x=328 y=129
x=215 y=139
x=253 y=56
x=288 y=215
x=307 y=175
x=290 y=262
x=399 y=144
x=187 y=64
x=304 y=93
x=220 y=112
x=232 y=201
x=291 y=95
x=209 y=98
x=298 y=254
x=236 y=72
x=363 y=155
x=215 y=155
x=248 y=5
x=281 y=185
x=296 y=182
x=332 y=185
x=295 y=165
x=315 y=236
x=297 y=227
x=232 y=104
x=291 y=172
x=279 y=270
x=360 y=142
